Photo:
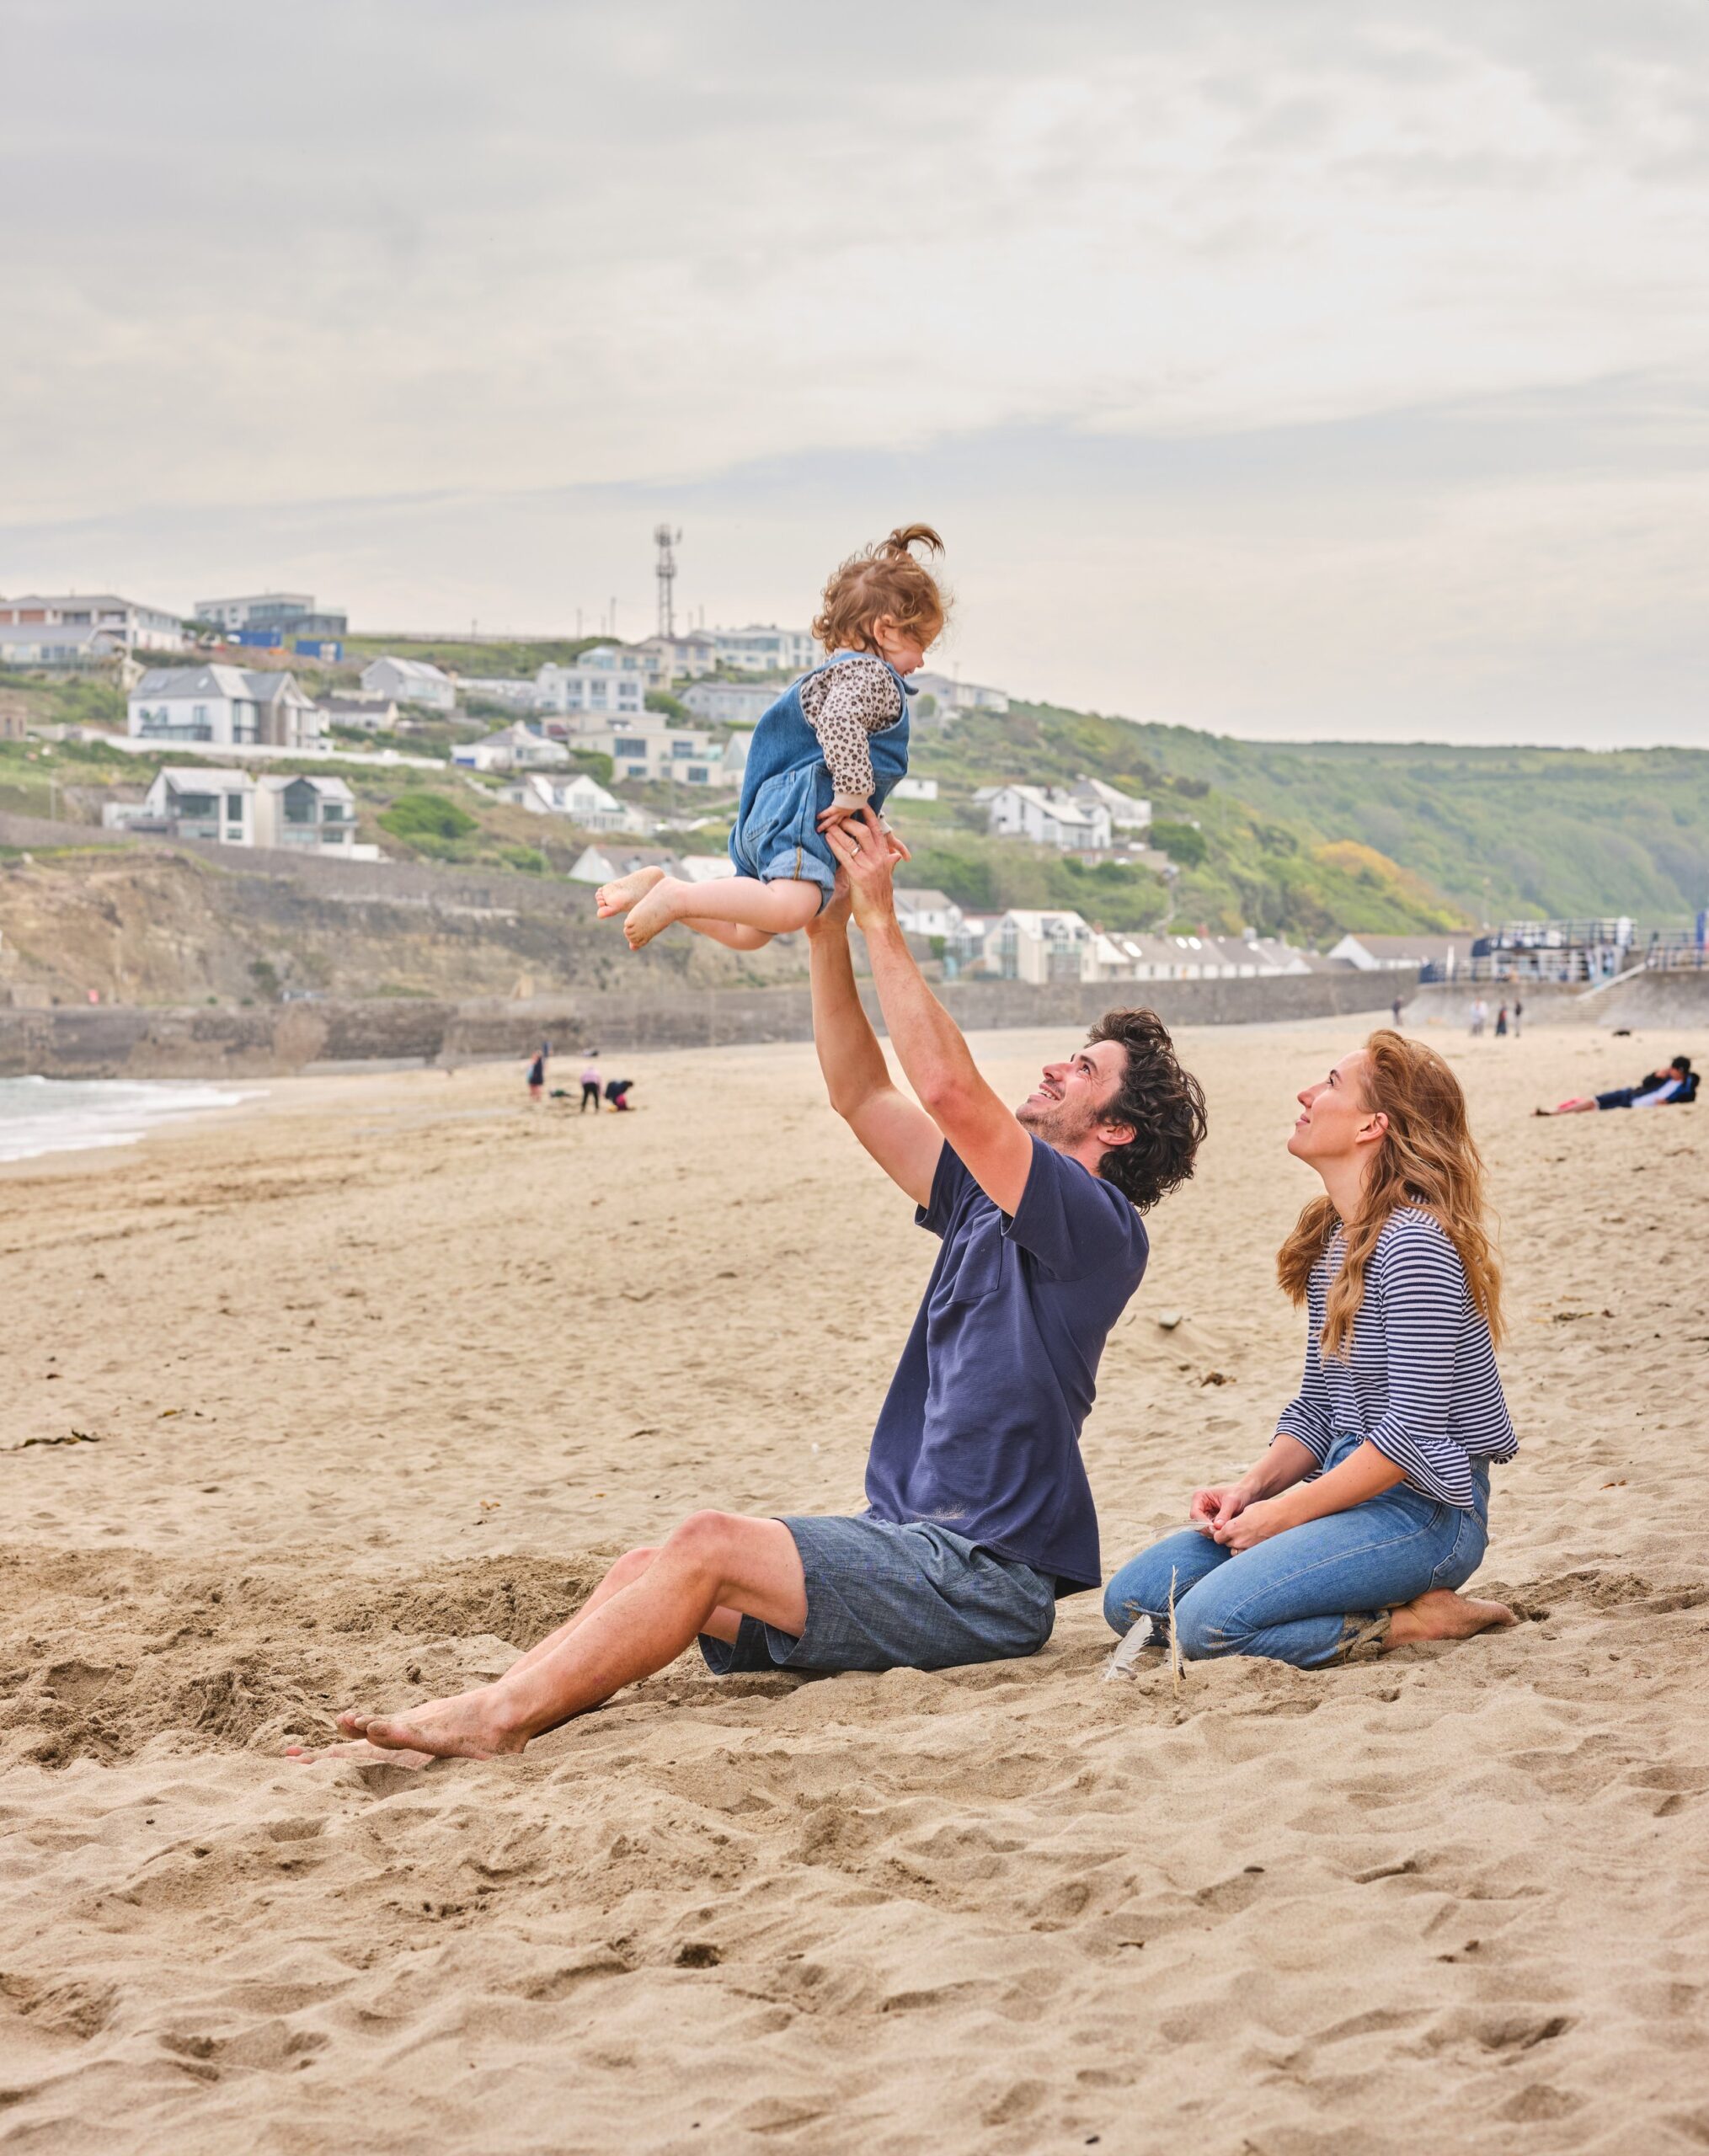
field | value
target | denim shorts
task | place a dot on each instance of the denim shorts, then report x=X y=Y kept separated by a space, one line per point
x=881 y=1596
x=779 y=839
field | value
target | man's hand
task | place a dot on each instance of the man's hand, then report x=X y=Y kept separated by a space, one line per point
x=832 y=917
x=1213 y=1508
x=868 y=854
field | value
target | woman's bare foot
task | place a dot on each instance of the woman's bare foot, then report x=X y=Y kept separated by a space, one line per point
x=1442 y=1614
x=619 y=896
x=651 y=914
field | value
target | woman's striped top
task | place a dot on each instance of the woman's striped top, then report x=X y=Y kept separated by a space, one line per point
x=1421 y=1382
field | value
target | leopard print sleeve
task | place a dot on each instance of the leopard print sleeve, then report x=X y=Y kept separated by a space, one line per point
x=844 y=706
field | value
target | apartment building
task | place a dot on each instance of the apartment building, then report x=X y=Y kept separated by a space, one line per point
x=81 y=628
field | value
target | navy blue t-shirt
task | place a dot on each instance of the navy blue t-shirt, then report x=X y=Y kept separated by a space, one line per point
x=981 y=1428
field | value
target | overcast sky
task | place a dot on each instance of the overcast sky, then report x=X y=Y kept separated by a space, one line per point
x=1286 y=367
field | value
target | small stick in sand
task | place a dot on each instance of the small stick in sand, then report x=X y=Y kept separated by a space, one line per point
x=1177 y=1668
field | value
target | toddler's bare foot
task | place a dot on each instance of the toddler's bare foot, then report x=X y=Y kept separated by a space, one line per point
x=619 y=896
x=1442 y=1614
x=651 y=914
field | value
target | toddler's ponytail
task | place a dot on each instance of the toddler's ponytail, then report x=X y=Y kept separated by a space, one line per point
x=886 y=579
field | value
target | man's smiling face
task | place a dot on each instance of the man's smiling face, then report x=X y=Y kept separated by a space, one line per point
x=1072 y=1097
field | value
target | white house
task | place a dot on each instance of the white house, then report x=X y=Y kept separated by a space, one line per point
x=1038 y=946
x=516 y=748
x=609 y=678
x=197 y=802
x=729 y=703
x=681 y=658
x=951 y=695
x=78 y=628
x=300 y=814
x=1127 y=812
x=581 y=798
x=648 y=747
x=227 y=707
x=1404 y=954
x=705 y=867
x=516 y=689
x=914 y=789
x=373 y=714
x=766 y=650
x=603 y=864
x=928 y=913
x=1049 y=817
x=410 y=681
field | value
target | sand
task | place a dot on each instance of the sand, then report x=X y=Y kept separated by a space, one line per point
x=380 y=1371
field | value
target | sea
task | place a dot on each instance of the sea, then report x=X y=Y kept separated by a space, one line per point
x=72 y=1115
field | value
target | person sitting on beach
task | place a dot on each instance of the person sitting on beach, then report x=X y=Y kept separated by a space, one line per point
x=833 y=742
x=978 y=1514
x=1675 y=1081
x=1371 y=1506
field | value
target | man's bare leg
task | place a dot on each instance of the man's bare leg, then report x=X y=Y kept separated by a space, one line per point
x=774 y=908
x=716 y=1567
x=1443 y=1615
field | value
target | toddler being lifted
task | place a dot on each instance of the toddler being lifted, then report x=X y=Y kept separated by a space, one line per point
x=834 y=743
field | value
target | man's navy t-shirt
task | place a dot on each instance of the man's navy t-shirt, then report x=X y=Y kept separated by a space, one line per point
x=981 y=1428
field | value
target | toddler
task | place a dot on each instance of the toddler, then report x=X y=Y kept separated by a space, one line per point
x=833 y=741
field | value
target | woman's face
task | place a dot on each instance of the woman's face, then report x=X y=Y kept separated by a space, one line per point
x=1332 y=1114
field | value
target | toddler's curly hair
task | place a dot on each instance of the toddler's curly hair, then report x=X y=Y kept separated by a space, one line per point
x=882 y=579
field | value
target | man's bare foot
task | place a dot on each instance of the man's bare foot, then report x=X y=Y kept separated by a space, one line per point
x=469 y=1725
x=619 y=896
x=362 y=1752
x=1442 y=1614
x=649 y=917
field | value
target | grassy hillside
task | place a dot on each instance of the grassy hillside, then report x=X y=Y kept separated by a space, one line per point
x=1499 y=831
x=1273 y=870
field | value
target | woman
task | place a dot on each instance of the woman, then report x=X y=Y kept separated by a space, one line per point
x=1371 y=1506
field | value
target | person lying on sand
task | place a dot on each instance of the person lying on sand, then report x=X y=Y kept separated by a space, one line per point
x=1656 y=1089
x=1372 y=1504
x=979 y=1516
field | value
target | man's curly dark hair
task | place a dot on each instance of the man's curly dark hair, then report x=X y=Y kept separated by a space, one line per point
x=1164 y=1104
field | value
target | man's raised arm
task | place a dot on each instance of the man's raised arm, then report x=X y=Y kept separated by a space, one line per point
x=935 y=1059
x=904 y=1141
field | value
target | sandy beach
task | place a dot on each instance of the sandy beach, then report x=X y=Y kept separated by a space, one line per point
x=374 y=1374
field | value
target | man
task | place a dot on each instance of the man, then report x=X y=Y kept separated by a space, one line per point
x=980 y=1513
x=1669 y=1082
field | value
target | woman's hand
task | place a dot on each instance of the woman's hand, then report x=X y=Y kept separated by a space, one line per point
x=1215 y=1507
x=1254 y=1522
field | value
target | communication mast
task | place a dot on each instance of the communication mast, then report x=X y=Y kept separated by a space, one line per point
x=665 y=539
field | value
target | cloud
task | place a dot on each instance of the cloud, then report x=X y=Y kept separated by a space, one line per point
x=390 y=251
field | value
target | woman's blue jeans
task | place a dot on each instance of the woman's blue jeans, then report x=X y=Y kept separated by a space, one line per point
x=1308 y=1595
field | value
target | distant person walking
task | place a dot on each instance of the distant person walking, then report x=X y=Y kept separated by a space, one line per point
x=1396 y=1008
x=1480 y=1013
x=537 y=1074
x=1519 y=1013
x=589 y=1087
x=1501 y=1023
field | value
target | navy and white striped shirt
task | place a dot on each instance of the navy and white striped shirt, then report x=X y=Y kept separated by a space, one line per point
x=1421 y=1383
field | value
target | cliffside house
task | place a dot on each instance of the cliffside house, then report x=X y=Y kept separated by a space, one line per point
x=269 y=618
x=287 y=810
x=1127 y=812
x=648 y=747
x=610 y=678
x=226 y=706
x=1047 y=816
x=730 y=703
x=516 y=748
x=766 y=649
x=297 y=814
x=410 y=681
x=928 y=913
x=951 y=695
x=1403 y=954
x=604 y=862
x=82 y=629
x=681 y=658
x=372 y=714
x=1025 y=944
x=581 y=798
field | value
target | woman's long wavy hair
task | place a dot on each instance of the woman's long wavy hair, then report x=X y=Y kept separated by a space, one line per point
x=1427 y=1157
